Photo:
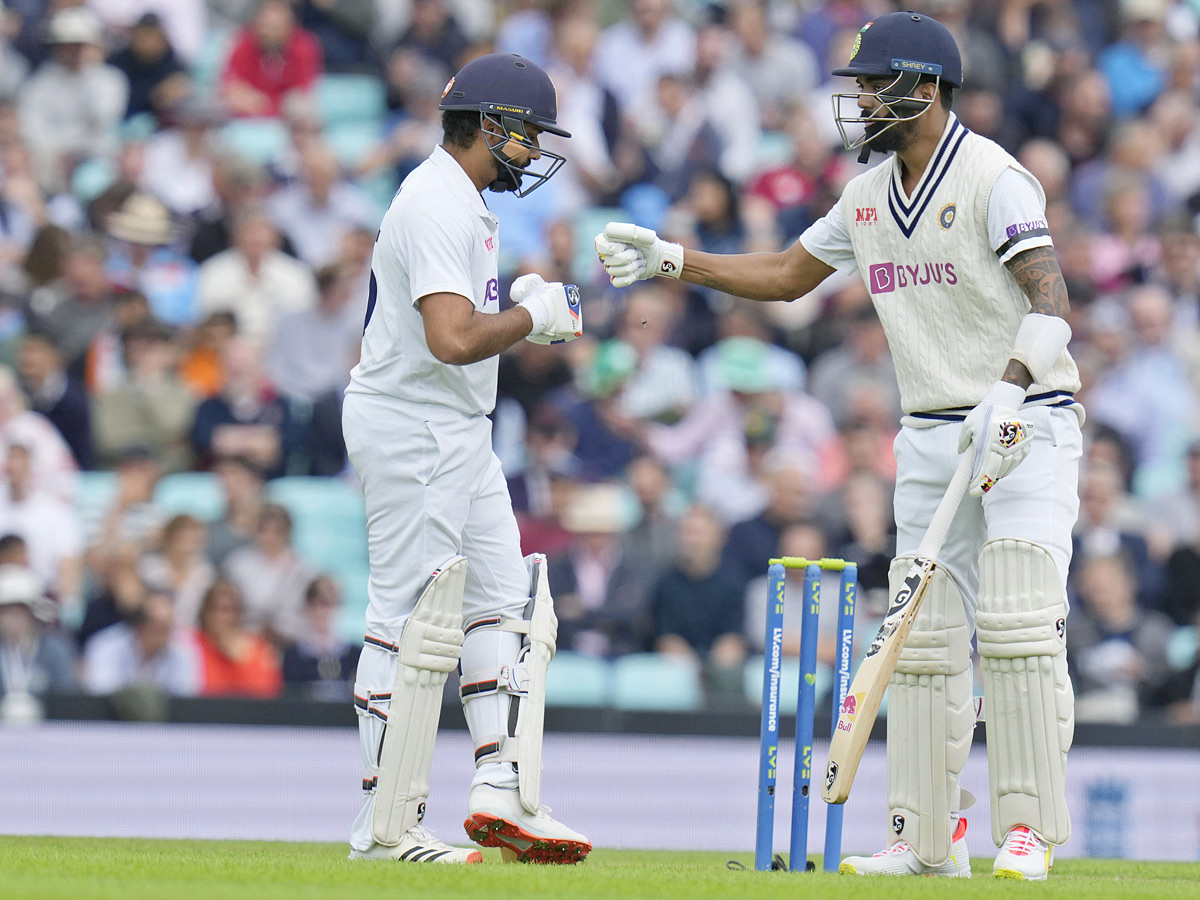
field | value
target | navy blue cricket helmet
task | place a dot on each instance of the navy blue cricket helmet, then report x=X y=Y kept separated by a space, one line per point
x=905 y=47
x=509 y=92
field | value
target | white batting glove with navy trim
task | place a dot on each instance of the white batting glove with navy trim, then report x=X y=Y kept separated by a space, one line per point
x=632 y=253
x=554 y=307
x=998 y=437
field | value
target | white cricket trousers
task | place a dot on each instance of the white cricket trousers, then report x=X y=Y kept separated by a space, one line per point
x=434 y=489
x=1038 y=501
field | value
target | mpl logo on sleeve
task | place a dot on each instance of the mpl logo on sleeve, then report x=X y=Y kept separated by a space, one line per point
x=866 y=215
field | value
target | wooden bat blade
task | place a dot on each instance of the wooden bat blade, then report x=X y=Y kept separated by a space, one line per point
x=861 y=706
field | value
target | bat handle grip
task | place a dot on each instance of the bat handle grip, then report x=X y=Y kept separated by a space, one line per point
x=939 y=525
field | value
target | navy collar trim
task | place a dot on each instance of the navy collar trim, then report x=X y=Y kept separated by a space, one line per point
x=907 y=215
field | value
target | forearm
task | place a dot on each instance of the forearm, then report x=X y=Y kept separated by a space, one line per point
x=755 y=276
x=488 y=334
x=1037 y=273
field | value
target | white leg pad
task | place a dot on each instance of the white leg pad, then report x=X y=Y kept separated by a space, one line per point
x=428 y=650
x=523 y=678
x=1021 y=630
x=930 y=720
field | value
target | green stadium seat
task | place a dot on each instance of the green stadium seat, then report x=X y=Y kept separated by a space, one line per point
x=652 y=681
x=346 y=97
x=789 y=682
x=319 y=499
x=206 y=67
x=351 y=141
x=1182 y=647
x=577 y=679
x=196 y=493
x=91 y=178
x=261 y=141
x=94 y=494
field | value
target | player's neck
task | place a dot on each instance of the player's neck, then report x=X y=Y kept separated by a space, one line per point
x=916 y=156
x=479 y=167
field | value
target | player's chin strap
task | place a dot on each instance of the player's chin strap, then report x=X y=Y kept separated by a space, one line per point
x=864 y=154
x=524 y=681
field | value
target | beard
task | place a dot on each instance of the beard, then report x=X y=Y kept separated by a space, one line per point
x=895 y=138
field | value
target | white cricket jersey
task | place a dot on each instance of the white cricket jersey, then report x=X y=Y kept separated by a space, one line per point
x=934 y=264
x=437 y=236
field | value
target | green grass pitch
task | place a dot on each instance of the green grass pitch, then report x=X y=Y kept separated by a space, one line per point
x=116 y=869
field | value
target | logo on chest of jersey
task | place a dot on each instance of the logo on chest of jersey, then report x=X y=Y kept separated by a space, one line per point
x=491 y=293
x=883 y=278
x=865 y=215
x=489 y=244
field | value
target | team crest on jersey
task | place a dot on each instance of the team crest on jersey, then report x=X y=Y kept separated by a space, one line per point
x=866 y=215
x=946 y=216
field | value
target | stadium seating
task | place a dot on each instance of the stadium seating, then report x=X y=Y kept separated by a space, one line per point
x=196 y=493
x=577 y=679
x=648 y=681
x=789 y=682
x=345 y=97
x=261 y=141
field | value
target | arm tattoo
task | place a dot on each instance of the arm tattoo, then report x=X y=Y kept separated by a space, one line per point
x=718 y=286
x=1037 y=274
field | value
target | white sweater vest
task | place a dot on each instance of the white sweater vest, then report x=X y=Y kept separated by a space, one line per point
x=950 y=308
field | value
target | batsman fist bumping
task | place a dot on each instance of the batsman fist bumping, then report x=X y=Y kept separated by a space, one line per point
x=448 y=585
x=949 y=233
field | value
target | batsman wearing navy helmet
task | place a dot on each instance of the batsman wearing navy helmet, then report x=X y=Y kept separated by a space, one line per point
x=448 y=586
x=949 y=233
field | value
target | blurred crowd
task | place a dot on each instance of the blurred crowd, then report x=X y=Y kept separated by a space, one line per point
x=189 y=194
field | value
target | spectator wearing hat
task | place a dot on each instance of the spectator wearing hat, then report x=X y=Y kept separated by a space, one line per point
x=145 y=652
x=271 y=56
x=142 y=259
x=72 y=105
x=724 y=430
x=234 y=662
x=151 y=407
x=601 y=594
x=34 y=660
x=49 y=529
x=157 y=77
x=256 y=280
x=52 y=391
x=320 y=662
x=606 y=439
x=179 y=158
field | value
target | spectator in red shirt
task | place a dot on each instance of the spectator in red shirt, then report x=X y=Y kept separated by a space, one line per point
x=233 y=661
x=271 y=57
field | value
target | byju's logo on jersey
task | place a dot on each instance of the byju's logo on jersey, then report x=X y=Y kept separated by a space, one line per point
x=883 y=278
x=866 y=215
x=1022 y=227
x=491 y=294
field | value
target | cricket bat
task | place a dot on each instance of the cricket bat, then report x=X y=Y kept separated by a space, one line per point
x=861 y=706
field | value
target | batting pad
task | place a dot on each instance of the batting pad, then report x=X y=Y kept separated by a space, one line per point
x=498 y=669
x=930 y=720
x=1021 y=629
x=428 y=650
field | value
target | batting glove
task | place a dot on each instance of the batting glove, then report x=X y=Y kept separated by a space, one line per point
x=554 y=307
x=1000 y=438
x=631 y=253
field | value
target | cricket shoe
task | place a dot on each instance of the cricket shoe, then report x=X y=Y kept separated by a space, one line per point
x=419 y=845
x=899 y=859
x=498 y=819
x=1025 y=855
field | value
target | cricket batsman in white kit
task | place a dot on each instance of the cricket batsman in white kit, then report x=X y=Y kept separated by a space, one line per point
x=448 y=586
x=950 y=235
